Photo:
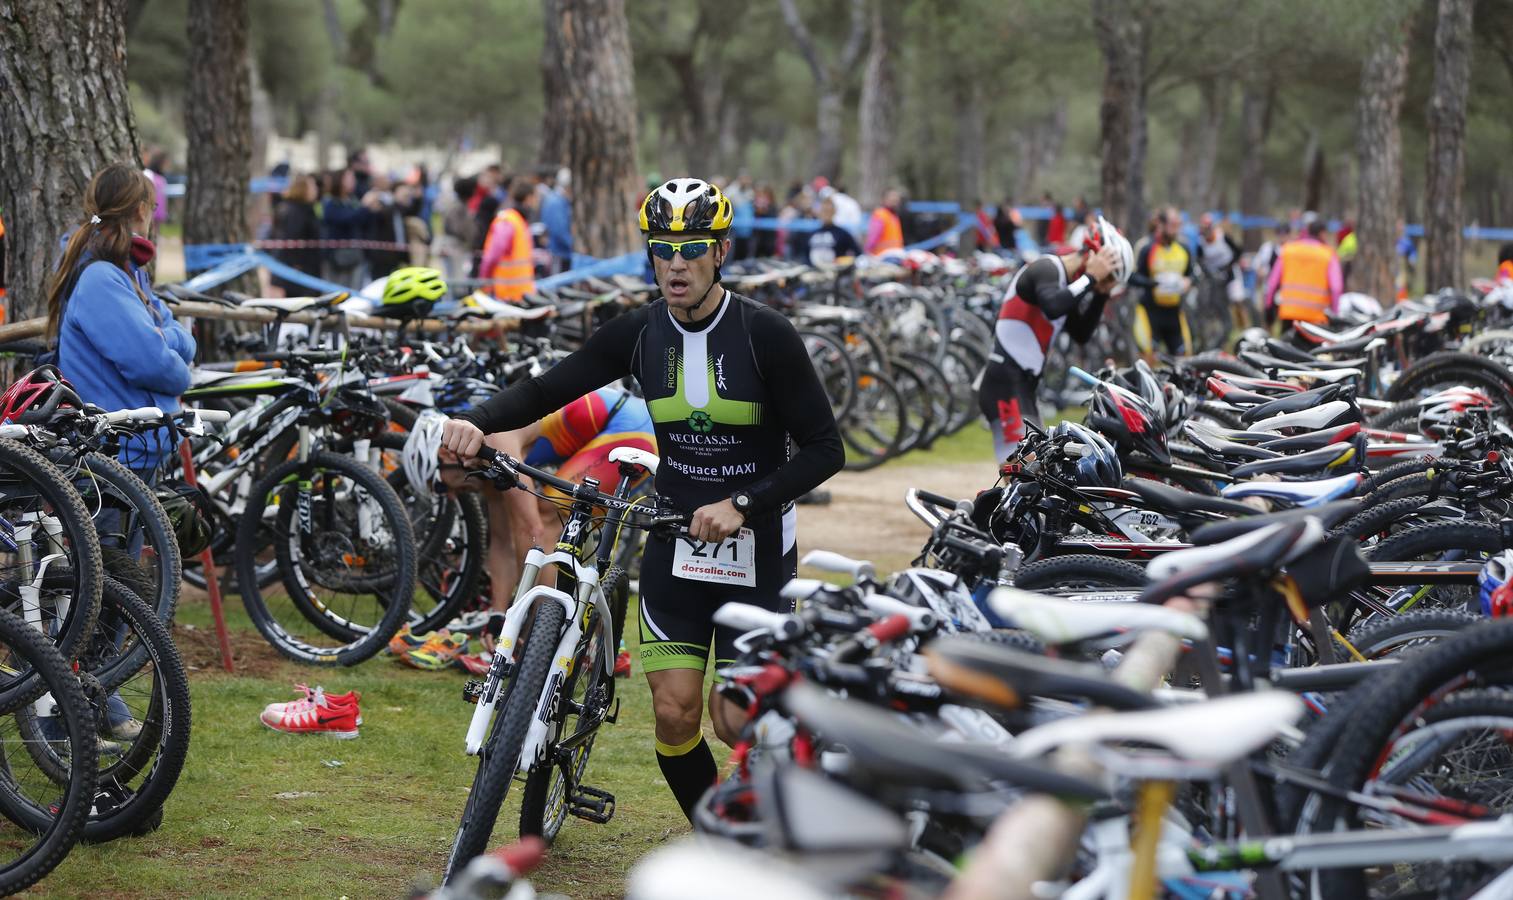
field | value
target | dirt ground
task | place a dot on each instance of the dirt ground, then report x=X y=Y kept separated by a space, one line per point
x=867 y=518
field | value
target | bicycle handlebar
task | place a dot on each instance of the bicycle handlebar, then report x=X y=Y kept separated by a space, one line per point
x=314 y=357
x=505 y=465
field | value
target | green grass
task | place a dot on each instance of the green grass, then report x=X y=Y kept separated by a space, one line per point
x=369 y=826
x=259 y=813
x=972 y=444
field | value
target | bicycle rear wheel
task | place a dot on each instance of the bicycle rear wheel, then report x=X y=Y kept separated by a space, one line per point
x=451 y=535
x=877 y=425
x=346 y=556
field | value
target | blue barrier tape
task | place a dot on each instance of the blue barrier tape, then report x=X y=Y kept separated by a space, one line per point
x=234 y=266
x=625 y=264
x=964 y=221
x=228 y=269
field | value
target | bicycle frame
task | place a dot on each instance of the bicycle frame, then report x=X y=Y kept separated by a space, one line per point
x=588 y=595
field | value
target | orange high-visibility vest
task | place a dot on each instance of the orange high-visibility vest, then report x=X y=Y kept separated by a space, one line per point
x=892 y=237
x=1304 y=291
x=1504 y=268
x=514 y=275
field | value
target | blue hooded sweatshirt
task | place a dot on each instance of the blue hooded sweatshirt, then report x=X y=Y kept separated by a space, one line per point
x=121 y=354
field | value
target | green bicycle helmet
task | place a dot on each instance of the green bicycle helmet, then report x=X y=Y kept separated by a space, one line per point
x=412 y=291
x=189 y=512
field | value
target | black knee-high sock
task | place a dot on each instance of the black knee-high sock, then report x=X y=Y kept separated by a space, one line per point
x=690 y=770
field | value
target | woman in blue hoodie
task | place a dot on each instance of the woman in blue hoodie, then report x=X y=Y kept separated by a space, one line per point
x=117 y=343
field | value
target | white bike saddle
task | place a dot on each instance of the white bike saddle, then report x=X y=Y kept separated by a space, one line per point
x=1056 y=621
x=1216 y=731
x=1318 y=417
x=635 y=456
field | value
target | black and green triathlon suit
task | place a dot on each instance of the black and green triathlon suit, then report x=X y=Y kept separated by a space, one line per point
x=730 y=396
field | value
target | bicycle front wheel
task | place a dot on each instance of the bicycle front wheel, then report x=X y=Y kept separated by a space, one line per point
x=50 y=570
x=500 y=756
x=45 y=816
x=588 y=688
x=346 y=557
x=138 y=693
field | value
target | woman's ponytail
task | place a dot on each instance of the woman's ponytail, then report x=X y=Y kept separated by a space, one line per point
x=112 y=202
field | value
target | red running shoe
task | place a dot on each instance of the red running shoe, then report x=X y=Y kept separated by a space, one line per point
x=315 y=715
x=308 y=694
x=622 y=664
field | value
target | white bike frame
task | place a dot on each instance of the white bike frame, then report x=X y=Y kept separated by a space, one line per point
x=589 y=595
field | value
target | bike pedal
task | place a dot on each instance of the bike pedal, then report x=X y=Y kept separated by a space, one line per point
x=472 y=691
x=613 y=716
x=592 y=804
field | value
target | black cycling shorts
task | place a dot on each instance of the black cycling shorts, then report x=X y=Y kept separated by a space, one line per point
x=677 y=614
x=1006 y=398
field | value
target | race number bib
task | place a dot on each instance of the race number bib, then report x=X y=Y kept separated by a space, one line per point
x=731 y=561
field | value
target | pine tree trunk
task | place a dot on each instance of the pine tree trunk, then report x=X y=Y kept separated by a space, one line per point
x=970 y=140
x=218 y=120
x=829 y=137
x=1206 y=148
x=1445 y=182
x=1313 y=173
x=64 y=114
x=595 y=100
x=830 y=80
x=1255 y=122
x=1379 y=148
x=1139 y=151
x=879 y=108
x=554 y=125
x=1119 y=39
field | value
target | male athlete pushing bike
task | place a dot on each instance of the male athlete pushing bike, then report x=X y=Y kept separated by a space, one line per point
x=731 y=390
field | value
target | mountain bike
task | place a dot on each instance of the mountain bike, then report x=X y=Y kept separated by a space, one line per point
x=551 y=685
x=343 y=547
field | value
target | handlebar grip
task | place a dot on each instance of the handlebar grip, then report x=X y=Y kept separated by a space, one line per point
x=801 y=588
x=744 y=617
x=522 y=857
x=1082 y=375
x=920 y=619
x=213 y=415
x=827 y=561
x=889 y=629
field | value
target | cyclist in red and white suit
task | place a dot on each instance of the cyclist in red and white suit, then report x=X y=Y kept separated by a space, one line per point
x=1048 y=295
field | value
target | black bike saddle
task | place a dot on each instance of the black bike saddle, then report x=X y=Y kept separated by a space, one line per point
x=1297 y=402
x=1346 y=457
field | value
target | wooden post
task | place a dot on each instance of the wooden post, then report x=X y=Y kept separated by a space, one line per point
x=212 y=579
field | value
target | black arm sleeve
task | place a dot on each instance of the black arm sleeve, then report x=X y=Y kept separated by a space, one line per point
x=604 y=357
x=803 y=409
x=1046 y=291
x=846 y=245
x=1141 y=277
x=1084 y=320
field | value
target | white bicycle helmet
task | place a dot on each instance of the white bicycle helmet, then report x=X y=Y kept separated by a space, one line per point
x=1494 y=577
x=1439 y=414
x=1104 y=234
x=422 y=460
x=1356 y=307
